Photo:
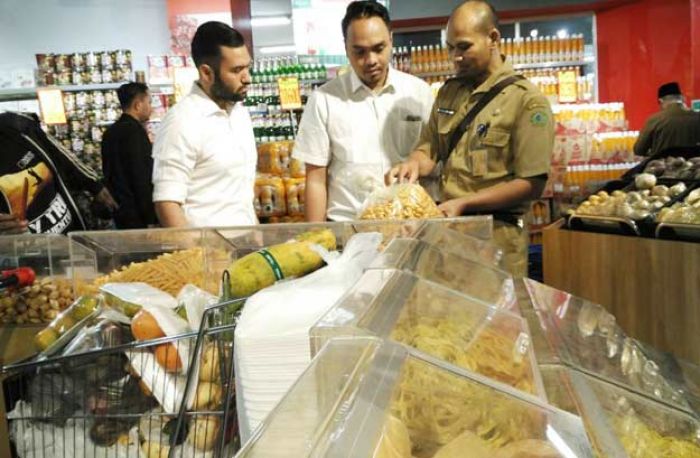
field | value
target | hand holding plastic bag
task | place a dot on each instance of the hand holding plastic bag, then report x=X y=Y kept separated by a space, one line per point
x=400 y=201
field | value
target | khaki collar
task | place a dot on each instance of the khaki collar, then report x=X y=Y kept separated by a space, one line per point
x=356 y=84
x=505 y=71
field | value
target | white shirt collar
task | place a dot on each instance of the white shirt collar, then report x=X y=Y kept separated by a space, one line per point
x=357 y=84
x=205 y=104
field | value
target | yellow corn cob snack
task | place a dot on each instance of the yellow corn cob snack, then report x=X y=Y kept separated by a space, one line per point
x=256 y=271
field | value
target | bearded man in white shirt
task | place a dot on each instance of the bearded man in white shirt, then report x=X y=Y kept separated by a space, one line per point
x=357 y=126
x=204 y=153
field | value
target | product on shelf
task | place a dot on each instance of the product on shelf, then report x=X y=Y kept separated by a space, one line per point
x=270 y=198
x=39 y=303
x=547 y=80
x=84 y=68
x=540 y=50
x=400 y=201
x=589 y=118
x=686 y=212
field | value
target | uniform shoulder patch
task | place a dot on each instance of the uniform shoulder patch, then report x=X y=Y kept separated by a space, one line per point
x=539 y=118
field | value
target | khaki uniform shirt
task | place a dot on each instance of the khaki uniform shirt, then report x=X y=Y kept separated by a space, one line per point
x=512 y=137
x=673 y=127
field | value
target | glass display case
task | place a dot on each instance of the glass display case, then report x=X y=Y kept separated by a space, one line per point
x=461 y=243
x=457 y=329
x=459 y=272
x=167 y=259
x=366 y=397
x=23 y=309
x=586 y=337
x=620 y=422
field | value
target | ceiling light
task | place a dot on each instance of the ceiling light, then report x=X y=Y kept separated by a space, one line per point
x=270 y=21
x=534 y=33
x=562 y=33
x=277 y=49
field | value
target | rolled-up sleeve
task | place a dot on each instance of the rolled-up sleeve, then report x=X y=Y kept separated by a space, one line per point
x=312 y=144
x=174 y=159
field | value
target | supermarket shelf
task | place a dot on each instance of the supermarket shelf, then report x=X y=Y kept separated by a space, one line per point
x=28 y=93
x=566 y=63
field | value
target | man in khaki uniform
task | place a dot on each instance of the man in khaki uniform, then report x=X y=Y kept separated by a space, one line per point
x=501 y=161
x=674 y=126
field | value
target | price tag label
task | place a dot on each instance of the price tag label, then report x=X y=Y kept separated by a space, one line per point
x=290 y=94
x=568 y=86
x=51 y=106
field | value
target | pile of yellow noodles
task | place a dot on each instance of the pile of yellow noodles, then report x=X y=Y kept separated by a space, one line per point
x=641 y=441
x=171 y=271
x=436 y=407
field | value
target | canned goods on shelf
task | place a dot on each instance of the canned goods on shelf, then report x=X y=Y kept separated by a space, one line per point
x=96 y=76
x=98 y=99
x=62 y=63
x=110 y=97
x=107 y=75
x=123 y=57
x=107 y=60
x=77 y=60
x=77 y=144
x=82 y=99
x=96 y=134
x=45 y=62
x=89 y=148
x=64 y=78
x=92 y=59
x=68 y=101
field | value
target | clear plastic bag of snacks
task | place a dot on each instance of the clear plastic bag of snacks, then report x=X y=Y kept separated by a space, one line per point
x=400 y=201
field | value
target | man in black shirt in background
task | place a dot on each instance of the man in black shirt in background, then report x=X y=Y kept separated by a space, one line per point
x=126 y=159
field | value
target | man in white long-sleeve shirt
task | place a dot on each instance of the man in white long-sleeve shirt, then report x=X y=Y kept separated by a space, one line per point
x=204 y=154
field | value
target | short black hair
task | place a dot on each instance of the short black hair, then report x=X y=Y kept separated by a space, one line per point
x=208 y=39
x=128 y=92
x=364 y=9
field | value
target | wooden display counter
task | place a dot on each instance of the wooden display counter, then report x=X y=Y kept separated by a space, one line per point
x=651 y=286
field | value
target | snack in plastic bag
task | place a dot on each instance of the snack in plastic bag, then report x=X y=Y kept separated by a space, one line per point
x=67 y=321
x=274 y=157
x=129 y=298
x=400 y=201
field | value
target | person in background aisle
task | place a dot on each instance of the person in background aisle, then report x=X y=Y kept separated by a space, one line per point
x=674 y=126
x=127 y=164
x=355 y=127
x=492 y=159
x=38 y=178
x=204 y=152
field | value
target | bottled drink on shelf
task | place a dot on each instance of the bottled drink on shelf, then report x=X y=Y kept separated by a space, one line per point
x=540 y=50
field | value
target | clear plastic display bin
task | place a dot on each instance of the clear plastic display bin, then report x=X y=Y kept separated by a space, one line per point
x=454 y=271
x=167 y=259
x=445 y=324
x=586 y=337
x=463 y=244
x=23 y=311
x=365 y=397
x=620 y=422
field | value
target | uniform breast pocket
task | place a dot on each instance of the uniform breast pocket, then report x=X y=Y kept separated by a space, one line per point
x=497 y=144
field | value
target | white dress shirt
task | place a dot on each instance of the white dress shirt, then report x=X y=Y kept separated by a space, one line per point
x=359 y=135
x=204 y=158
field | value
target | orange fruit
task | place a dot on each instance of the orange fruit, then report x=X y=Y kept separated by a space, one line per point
x=145 y=327
x=168 y=358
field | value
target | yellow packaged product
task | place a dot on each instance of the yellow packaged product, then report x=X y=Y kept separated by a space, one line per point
x=296 y=258
x=400 y=201
x=295 y=189
x=269 y=196
x=274 y=157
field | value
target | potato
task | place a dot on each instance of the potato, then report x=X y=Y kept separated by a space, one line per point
x=208 y=396
x=209 y=370
x=204 y=432
x=155 y=450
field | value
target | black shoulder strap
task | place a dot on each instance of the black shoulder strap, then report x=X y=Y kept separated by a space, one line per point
x=476 y=109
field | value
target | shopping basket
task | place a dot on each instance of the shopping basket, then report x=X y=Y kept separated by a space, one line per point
x=120 y=402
